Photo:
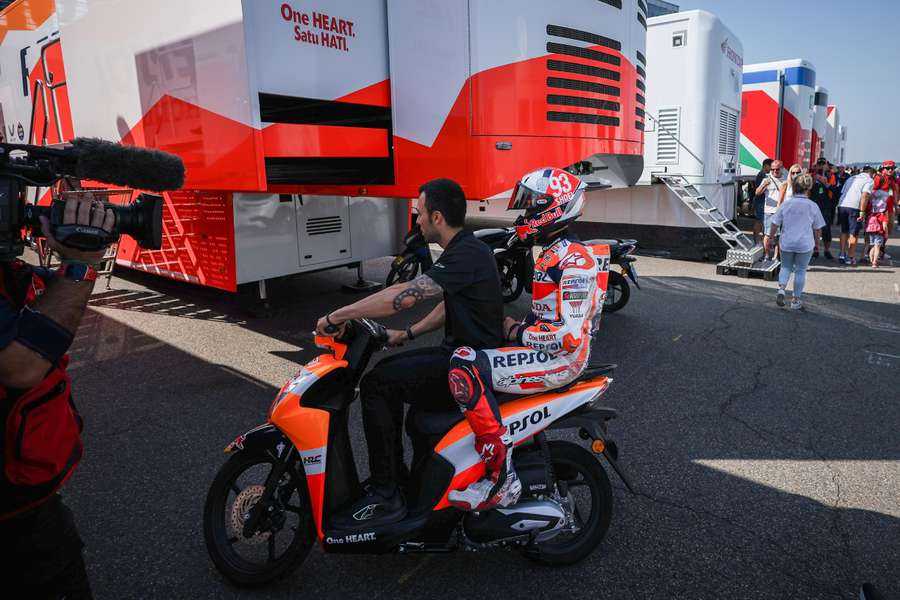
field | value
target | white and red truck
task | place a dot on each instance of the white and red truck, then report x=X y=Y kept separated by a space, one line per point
x=306 y=126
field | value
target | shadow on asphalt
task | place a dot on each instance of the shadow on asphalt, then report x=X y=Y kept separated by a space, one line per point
x=751 y=447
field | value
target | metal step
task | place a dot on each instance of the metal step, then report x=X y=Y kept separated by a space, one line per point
x=710 y=214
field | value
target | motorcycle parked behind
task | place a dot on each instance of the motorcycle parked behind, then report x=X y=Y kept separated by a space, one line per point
x=413 y=260
x=618 y=291
x=275 y=495
x=515 y=263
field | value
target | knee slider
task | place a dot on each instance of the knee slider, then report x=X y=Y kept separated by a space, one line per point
x=465 y=386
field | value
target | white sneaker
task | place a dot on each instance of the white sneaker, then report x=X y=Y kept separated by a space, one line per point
x=779 y=297
x=796 y=304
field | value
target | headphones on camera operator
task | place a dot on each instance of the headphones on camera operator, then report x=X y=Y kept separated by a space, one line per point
x=23 y=165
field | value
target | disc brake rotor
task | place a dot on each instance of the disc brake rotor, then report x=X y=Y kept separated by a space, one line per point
x=240 y=512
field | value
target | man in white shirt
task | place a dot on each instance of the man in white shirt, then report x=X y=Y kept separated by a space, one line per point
x=855 y=194
x=771 y=187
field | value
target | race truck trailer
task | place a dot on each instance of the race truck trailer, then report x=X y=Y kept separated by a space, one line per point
x=819 y=125
x=306 y=126
x=777 y=107
x=832 y=134
x=694 y=70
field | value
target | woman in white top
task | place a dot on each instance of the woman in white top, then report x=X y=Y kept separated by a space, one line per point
x=787 y=188
x=801 y=222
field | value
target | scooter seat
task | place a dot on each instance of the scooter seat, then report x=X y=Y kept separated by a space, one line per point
x=437 y=423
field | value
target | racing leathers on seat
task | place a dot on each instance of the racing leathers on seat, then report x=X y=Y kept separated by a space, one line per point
x=554 y=344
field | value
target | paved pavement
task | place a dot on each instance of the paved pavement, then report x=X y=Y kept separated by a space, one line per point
x=763 y=442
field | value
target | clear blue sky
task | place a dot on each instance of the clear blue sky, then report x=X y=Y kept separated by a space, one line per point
x=855 y=46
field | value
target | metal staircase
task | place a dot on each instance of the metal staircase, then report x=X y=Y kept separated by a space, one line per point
x=743 y=256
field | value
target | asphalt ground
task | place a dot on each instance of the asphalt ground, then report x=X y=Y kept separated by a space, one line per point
x=763 y=442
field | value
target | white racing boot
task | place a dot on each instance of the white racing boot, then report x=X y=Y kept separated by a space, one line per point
x=501 y=488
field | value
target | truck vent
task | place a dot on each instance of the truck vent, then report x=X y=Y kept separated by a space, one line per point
x=554 y=48
x=583 y=36
x=324 y=225
x=642 y=20
x=640 y=98
x=582 y=86
x=642 y=6
x=667 y=135
x=583 y=102
x=639 y=112
x=588 y=70
x=641 y=58
x=582 y=118
x=613 y=3
x=728 y=132
x=640 y=85
x=580 y=69
x=641 y=71
x=638 y=125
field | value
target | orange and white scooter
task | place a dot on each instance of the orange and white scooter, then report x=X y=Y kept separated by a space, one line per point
x=274 y=496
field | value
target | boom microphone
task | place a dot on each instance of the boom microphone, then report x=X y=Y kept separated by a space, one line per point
x=128 y=166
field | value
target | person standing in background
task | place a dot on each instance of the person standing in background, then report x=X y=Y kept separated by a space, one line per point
x=843 y=174
x=801 y=223
x=770 y=188
x=821 y=193
x=855 y=194
x=759 y=200
x=876 y=212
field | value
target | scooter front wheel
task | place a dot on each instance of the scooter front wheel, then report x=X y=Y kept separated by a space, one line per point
x=284 y=534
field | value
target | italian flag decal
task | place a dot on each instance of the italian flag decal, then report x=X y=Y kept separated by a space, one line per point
x=751 y=156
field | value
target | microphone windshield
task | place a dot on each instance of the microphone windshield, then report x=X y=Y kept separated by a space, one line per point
x=129 y=166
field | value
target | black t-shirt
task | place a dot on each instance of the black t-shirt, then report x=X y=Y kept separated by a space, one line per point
x=819 y=195
x=473 y=302
x=760 y=177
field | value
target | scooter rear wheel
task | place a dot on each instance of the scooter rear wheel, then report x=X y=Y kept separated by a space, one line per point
x=285 y=534
x=590 y=492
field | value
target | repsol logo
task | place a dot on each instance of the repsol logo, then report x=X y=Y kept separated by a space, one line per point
x=529 y=420
x=519 y=359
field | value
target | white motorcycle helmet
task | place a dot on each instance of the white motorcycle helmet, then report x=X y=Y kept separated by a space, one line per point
x=551 y=199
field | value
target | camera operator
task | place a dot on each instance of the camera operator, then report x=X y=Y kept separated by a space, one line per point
x=40 y=312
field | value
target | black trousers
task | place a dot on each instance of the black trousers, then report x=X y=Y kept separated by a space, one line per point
x=41 y=554
x=416 y=377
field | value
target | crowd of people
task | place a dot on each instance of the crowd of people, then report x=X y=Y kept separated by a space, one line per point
x=795 y=212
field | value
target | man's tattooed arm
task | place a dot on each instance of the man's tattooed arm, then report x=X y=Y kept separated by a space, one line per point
x=417 y=290
x=389 y=301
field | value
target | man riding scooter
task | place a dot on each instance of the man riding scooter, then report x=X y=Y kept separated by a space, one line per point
x=554 y=340
x=472 y=315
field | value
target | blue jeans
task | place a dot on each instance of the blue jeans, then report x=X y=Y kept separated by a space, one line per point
x=796 y=263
